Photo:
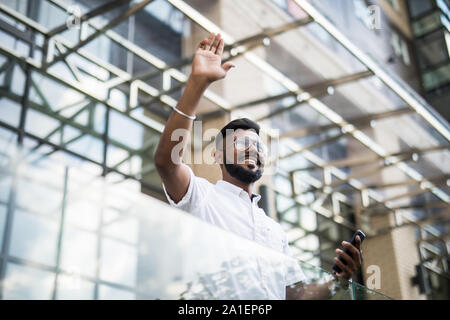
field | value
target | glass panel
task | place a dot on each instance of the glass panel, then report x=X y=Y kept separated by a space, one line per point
x=418 y=7
x=362 y=98
x=82 y=213
x=3 y=212
x=108 y=218
x=5 y=186
x=427 y=23
x=25 y=283
x=432 y=49
x=432 y=164
x=71 y=287
x=118 y=262
x=437 y=77
x=79 y=251
x=34 y=238
x=110 y=293
x=222 y=266
x=362 y=293
x=31 y=192
x=10 y=111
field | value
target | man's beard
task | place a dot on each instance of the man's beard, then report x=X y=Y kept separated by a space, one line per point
x=242 y=174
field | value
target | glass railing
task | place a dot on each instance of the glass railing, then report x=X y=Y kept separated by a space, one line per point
x=67 y=233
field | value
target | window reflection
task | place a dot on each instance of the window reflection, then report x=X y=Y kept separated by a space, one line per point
x=34 y=238
x=25 y=283
x=118 y=262
x=3 y=211
x=79 y=251
x=72 y=287
x=110 y=293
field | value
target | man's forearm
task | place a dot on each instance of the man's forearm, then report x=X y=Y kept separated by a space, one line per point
x=187 y=104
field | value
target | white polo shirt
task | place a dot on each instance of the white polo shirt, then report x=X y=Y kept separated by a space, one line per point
x=230 y=208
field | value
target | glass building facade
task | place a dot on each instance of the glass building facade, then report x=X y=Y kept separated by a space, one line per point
x=86 y=88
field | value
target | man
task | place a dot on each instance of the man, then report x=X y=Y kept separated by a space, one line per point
x=231 y=203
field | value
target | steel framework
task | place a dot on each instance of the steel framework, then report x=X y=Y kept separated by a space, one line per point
x=56 y=49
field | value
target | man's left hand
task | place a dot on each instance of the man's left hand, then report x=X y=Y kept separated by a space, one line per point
x=353 y=263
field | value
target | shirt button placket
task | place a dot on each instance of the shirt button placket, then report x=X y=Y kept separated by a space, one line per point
x=261 y=237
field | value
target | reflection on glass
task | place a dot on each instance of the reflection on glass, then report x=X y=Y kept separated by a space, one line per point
x=9 y=111
x=118 y=262
x=25 y=283
x=83 y=214
x=34 y=238
x=119 y=244
x=72 y=287
x=36 y=196
x=79 y=251
x=120 y=226
x=110 y=293
x=3 y=210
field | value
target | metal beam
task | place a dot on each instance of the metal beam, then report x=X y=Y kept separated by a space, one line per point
x=405 y=195
x=314 y=90
x=110 y=25
x=343 y=223
x=360 y=124
x=316 y=144
x=72 y=123
x=418 y=222
x=60 y=233
x=423 y=206
x=440 y=179
x=361 y=174
x=399 y=87
x=320 y=107
x=282 y=110
x=267 y=33
x=108 y=6
x=351 y=162
x=30 y=23
x=146 y=184
x=72 y=85
x=355 y=121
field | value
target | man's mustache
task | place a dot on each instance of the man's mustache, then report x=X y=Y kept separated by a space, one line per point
x=247 y=155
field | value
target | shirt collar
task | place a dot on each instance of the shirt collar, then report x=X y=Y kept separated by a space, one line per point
x=237 y=190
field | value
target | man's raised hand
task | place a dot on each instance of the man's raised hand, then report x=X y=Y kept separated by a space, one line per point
x=207 y=64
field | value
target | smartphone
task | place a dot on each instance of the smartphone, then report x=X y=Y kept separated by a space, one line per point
x=362 y=236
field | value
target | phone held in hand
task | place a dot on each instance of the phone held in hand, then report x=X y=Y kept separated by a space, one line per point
x=362 y=236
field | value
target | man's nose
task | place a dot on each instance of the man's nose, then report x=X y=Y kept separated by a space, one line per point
x=252 y=149
x=252 y=152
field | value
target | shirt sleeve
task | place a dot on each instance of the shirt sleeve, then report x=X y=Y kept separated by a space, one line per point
x=294 y=272
x=197 y=190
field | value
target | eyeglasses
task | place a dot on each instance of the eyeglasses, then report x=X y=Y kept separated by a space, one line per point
x=244 y=143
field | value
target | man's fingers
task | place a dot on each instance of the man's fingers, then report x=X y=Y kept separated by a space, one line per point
x=227 y=66
x=358 y=243
x=347 y=258
x=352 y=248
x=210 y=41
x=345 y=269
x=215 y=43
x=203 y=44
x=219 y=50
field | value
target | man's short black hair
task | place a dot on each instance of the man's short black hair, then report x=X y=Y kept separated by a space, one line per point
x=243 y=123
